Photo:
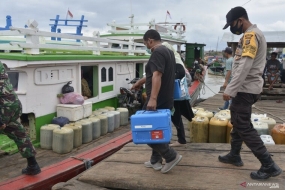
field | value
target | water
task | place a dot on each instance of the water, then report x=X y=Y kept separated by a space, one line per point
x=213 y=82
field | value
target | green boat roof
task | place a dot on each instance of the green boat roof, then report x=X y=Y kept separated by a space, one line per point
x=57 y=57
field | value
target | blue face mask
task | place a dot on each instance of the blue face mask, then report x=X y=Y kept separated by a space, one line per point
x=148 y=51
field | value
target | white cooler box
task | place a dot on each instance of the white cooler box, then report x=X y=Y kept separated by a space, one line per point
x=74 y=112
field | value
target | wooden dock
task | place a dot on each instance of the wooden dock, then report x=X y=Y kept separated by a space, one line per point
x=198 y=169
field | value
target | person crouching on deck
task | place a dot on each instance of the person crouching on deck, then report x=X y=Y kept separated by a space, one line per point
x=10 y=125
x=272 y=70
x=159 y=85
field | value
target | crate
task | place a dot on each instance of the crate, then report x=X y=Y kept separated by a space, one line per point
x=151 y=127
x=177 y=89
x=74 y=112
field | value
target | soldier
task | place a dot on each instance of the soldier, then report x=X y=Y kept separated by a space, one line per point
x=11 y=110
x=244 y=89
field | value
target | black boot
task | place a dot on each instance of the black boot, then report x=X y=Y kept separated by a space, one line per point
x=268 y=168
x=232 y=158
x=31 y=170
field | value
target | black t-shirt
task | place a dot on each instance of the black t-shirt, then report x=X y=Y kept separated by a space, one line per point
x=273 y=65
x=162 y=59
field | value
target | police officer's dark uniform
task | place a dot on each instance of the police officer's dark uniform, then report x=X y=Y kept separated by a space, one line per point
x=245 y=88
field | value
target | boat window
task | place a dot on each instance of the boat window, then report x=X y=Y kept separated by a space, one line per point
x=110 y=73
x=14 y=79
x=87 y=81
x=103 y=74
x=139 y=70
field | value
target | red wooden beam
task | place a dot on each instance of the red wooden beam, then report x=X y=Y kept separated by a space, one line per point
x=66 y=169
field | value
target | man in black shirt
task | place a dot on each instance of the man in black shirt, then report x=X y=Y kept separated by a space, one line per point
x=159 y=84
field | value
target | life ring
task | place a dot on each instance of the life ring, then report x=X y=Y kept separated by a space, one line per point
x=178 y=24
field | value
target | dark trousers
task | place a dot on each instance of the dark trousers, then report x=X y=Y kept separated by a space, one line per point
x=182 y=107
x=160 y=151
x=242 y=127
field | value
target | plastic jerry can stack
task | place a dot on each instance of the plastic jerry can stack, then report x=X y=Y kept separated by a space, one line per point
x=96 y=112
x=86 y=130
x=111 y=121
x=104 y=123
x=124 y=114
x=229 y=129
x=196 y=109
x=224 y=114
x=278 y=133
x=77 y=134
x=96 y=127
x=271 y=122
x=257 y=116
x=103 y=110
x=199 y=130
x=62 y=140
x=110 y=108
x=46 y=135
x=205 y=113
x=117 y=118
x=267 y=139
x=262 y=128
x=218 y=130
x=151 y=127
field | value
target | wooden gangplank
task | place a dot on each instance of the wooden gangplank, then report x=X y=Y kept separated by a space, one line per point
x=199 y=169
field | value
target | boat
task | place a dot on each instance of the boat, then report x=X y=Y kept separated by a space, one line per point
x=216 y=70
x=39 y=61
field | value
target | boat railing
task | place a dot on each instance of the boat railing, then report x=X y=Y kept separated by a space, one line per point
x=165 y=28
x=33 y=40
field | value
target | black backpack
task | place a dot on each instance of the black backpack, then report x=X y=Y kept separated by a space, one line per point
x=67 y=88
x=61 y=121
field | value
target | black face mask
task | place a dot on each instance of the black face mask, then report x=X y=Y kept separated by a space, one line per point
x=235 y=30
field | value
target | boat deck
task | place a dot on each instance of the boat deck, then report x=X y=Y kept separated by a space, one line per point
x=11 y=165
x=198 y=169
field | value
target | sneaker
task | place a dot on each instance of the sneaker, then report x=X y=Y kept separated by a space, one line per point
x=157 y=166
x=32 y=170
x=168 y=166
x=220 y=108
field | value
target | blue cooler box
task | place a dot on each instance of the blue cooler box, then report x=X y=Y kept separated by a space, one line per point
x=151 y=127
x=177 y=89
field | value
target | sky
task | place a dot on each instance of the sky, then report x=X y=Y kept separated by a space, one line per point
x=204 y=18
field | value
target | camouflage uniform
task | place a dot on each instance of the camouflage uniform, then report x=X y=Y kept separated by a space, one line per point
x=11 y=110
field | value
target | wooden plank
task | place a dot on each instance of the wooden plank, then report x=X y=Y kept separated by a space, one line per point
x=199 y=169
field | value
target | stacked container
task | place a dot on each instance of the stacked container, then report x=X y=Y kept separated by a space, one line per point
x=62 y=140
x=199 y=129
x=218 y=130
x=86 y=130
x=77 y=134
x=278 y=133
x=47 y=135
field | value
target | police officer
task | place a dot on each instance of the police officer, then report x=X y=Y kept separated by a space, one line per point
x=11 y=110
x=244 y=89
